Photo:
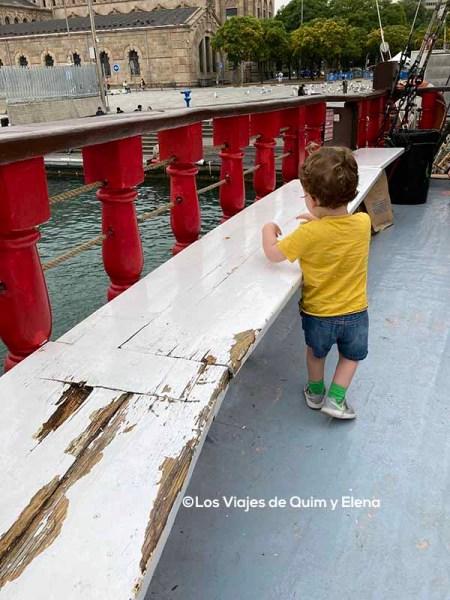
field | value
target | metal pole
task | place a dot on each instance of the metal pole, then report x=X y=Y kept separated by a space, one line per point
x=97 y=57
x=301 y=20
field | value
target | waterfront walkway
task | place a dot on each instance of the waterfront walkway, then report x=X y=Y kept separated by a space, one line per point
x=266 y=443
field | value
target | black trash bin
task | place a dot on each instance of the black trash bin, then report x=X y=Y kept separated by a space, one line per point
x=409 y=176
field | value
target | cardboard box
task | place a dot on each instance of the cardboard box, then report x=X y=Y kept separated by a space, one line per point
x=378 y=205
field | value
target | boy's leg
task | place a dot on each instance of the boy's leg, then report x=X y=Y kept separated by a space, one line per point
x=315 y=388
x=335 y=404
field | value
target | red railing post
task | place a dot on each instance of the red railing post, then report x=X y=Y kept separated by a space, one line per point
x=233 y=134
x=25 y=313
x=294 y=142
x=266 y=126
x=315 y=122
x=185 y=146
x=120 y=165
x=428 y=115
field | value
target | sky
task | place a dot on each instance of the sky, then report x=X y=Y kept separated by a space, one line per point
x=279 y=4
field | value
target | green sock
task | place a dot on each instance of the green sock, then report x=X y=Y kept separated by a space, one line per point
x=337 y=392
x=316 y=387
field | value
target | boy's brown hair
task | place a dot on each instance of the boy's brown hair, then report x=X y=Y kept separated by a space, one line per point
x=330 y=175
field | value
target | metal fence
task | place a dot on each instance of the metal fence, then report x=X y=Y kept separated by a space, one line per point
x=28 y=84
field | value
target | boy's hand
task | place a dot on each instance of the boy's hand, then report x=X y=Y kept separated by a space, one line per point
x=307 y=217
x=270 y=231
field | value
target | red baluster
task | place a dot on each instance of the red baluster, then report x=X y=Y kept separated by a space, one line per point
x=315 y=122
x=233 y=134
x=120 y=165
x=185 y=146
x=25 y=314
x=294 y=142
x=266 y=126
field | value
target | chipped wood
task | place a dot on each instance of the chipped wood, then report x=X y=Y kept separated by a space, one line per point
x=41 y=521
x=70 y=401
x=242 y=344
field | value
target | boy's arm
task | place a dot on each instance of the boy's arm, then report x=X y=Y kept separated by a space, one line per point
x=270 y=232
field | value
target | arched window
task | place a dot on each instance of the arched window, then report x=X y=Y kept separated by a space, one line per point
x=23 y=61
x=25 y=20
x=201 y=62
x=16 y=20
x=208 y=55
x=48 y=60
x=133 y=61
x=76 y=59
x=7 y=21
x=1 y=63
x=106 y=66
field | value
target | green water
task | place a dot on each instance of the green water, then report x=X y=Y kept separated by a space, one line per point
x=78 y=287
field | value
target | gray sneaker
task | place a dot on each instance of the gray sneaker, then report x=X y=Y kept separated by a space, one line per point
x=314 y=401
x=343 y=411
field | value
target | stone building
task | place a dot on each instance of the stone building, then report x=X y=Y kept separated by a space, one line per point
x=165 y=44
x=22 y=11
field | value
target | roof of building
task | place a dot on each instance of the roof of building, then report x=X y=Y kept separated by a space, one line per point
x=20 y=4
x=155 y=18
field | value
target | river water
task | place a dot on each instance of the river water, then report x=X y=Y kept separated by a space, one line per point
x=78 y=287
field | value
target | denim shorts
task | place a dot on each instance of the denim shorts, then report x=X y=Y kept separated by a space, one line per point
x=349 y=332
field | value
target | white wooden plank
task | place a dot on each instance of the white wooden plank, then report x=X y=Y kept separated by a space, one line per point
x=377 y=158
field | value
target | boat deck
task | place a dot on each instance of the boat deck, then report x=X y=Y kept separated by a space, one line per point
x=266 y=443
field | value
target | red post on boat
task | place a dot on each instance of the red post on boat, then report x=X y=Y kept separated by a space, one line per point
x=233 y=134
x=315 y=122
x=25 y=313
x=267 y=127
x=185 y=146
x=294 y=142
x=363 y=122
x=374 y=110
x=120 y=165
x=429 y=106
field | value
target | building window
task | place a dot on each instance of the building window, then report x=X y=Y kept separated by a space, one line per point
x=201 y=62
x=231 y=12
x=6 y=20
x=48 y=60
x=208 y=55
x=23 y=62
x=76 y=59
x=25 y=21
x=133 y=61
x=1 y=63
x=106 y=66
x=16 y=20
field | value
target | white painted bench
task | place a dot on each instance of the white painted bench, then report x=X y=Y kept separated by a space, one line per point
x=100 y=430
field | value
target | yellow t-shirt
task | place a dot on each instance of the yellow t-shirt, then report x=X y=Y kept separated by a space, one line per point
x=333 y=253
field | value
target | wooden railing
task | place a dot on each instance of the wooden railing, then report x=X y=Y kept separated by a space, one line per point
x=112 y=155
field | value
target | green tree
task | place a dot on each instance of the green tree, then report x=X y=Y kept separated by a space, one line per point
x=410 y=7
x=395 y=35
x=357 y=13
x=322 y=39
x=274 y=47
x=291 y=14
x=240 y=38
x=392 y=13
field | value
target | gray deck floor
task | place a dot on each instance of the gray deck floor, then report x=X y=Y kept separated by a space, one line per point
x=265 y=442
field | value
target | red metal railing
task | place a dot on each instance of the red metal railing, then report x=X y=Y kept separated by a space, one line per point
x=112 y=153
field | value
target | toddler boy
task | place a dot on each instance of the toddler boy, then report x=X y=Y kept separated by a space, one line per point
x=333 y=249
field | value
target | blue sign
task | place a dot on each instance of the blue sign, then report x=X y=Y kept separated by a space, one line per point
x=116 y=68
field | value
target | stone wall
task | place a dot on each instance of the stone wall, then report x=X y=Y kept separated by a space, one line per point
x=52 y=110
